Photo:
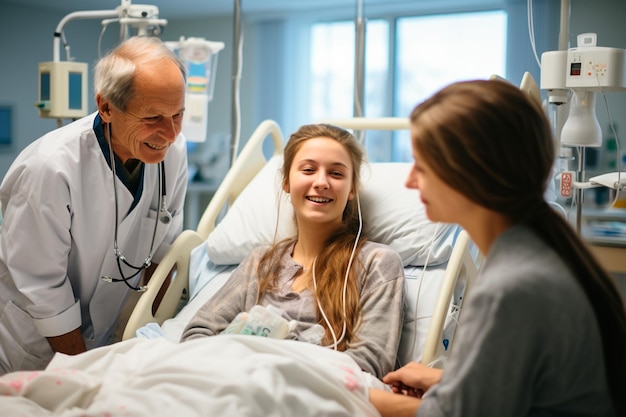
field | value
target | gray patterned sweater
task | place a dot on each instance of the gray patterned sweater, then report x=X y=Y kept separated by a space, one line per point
x=381 y=289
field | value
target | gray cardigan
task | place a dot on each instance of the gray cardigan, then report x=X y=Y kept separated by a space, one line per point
x=528 y=343
x=381 y=288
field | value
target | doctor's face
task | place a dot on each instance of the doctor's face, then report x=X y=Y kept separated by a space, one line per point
x=320 y=182
x=153 y=117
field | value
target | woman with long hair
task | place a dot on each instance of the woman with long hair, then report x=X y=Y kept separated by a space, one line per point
x=329 y=274
x=543 y=331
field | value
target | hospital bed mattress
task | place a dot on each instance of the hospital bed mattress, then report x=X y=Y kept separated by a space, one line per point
x=241 y=217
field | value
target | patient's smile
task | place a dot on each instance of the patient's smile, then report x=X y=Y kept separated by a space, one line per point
x=319 y=199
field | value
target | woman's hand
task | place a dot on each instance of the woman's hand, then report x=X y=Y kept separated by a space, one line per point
x=389 y=404
x=413 y=379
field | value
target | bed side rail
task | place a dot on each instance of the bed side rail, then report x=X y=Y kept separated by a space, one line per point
x=371 y=123
x=247 y=164
x=460 y=273
x=172 y=270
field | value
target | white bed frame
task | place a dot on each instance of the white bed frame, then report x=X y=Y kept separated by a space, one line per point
x=460 y=271
x=175 y=263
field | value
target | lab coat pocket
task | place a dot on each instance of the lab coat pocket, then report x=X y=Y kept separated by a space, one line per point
x=21 y=344
x=148 y=236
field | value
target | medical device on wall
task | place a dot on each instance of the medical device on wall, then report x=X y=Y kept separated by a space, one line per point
x=200 y=59
x=62 y=89
x=582 y=72
x=575 y=76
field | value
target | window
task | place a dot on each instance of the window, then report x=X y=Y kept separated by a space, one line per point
x=428 y=53
x=332 y=69
x=433 y=51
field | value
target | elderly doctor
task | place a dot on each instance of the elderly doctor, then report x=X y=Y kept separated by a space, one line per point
x=80 y=231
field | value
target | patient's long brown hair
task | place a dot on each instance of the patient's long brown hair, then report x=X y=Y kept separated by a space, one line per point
x=332 y=261
x=490 y=142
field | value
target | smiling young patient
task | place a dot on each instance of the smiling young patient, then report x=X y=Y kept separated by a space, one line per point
x=329 y=273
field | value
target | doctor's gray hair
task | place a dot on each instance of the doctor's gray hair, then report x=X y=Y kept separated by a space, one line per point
x=114 y=73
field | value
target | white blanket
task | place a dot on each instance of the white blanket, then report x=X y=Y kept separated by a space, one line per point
x=226 y=375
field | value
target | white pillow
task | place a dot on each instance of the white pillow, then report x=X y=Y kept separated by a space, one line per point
x=392 y=214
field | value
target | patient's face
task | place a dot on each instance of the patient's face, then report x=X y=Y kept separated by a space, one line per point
x=442 y=202
x=320 y=182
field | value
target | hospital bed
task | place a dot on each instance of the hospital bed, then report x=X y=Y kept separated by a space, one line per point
x=149 y=372
x=428 y=244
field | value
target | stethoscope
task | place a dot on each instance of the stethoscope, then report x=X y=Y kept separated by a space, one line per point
x=164 y=216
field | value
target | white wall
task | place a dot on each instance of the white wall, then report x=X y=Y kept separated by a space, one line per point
x=26 y=40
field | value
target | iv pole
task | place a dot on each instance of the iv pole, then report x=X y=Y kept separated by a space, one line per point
x=359 y=67
x=562 y=115
x=237 y=49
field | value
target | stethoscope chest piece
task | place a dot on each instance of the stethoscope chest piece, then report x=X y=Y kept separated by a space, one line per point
x=164 y=215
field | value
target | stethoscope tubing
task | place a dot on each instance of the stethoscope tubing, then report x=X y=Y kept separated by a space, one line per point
x=163 y=215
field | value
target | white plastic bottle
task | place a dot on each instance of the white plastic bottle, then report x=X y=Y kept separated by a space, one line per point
x=267 y=322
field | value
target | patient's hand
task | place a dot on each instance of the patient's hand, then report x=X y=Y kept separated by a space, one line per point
x=413 y=379
x=393 y=405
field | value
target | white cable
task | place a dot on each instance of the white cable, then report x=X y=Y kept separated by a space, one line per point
x=572 y=205
x=104 y=28
x=419 y=289
x=618 y=164
x=336 y=340
x=89 y=14
x=531 y=30
x=574 y=201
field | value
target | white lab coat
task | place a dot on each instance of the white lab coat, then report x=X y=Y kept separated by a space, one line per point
x=56 y=240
